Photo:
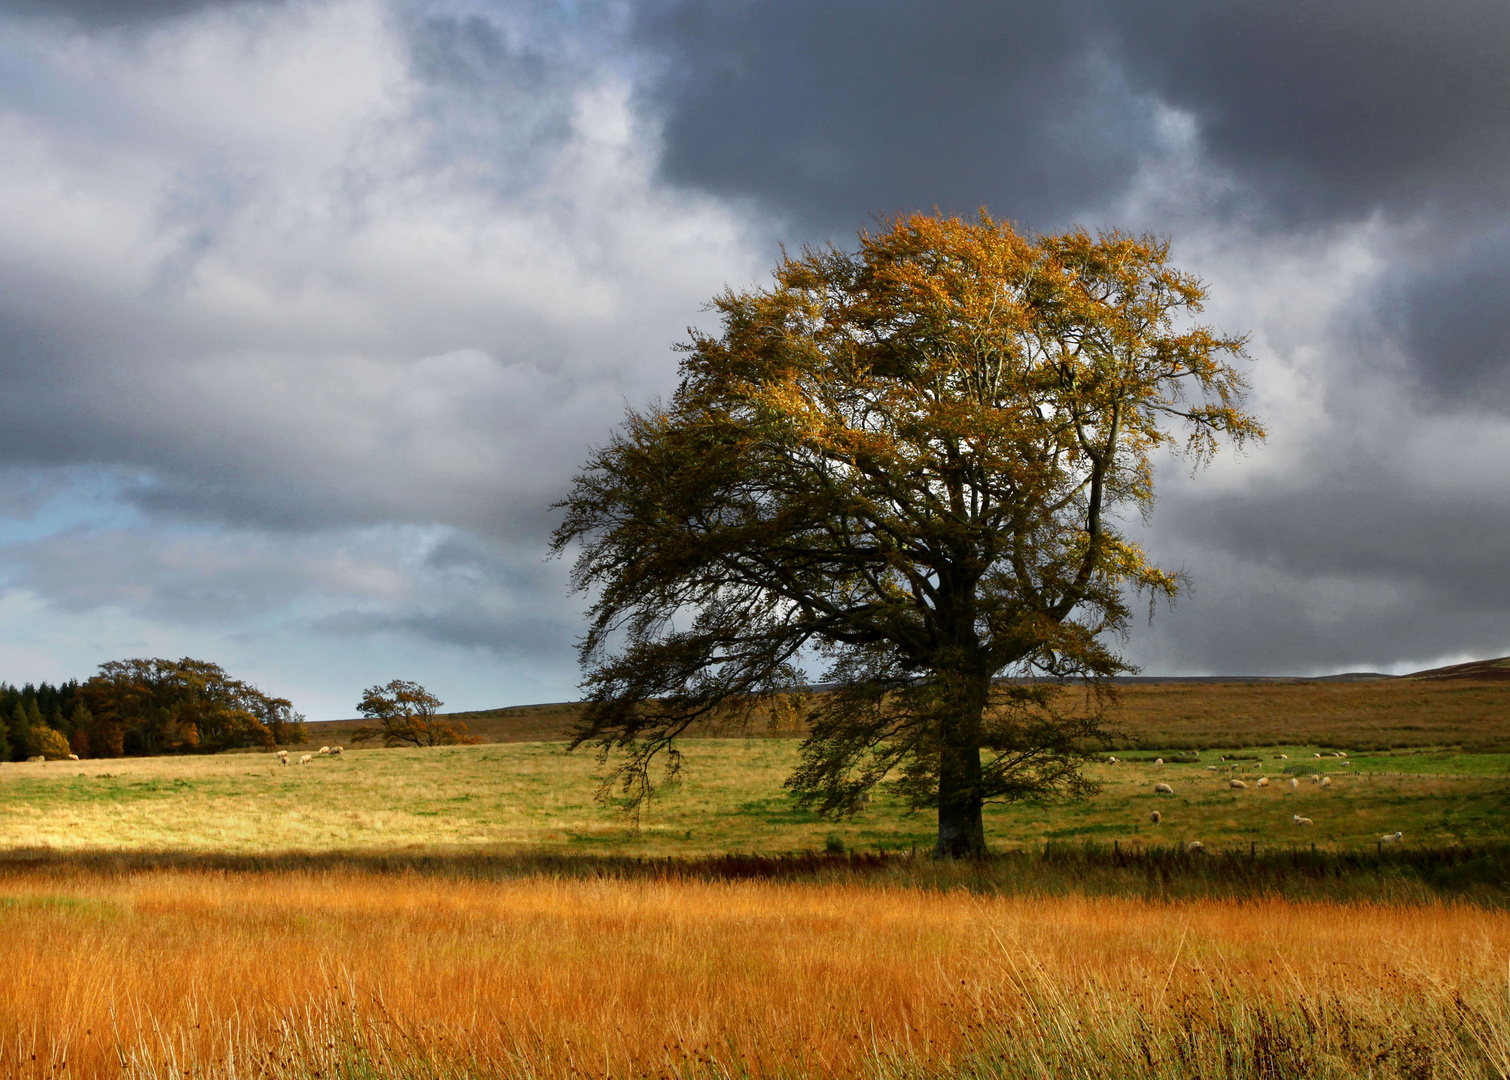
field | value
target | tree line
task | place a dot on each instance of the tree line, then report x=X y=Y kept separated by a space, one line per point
x=143 y=706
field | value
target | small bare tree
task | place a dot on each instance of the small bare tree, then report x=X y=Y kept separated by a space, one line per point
x=406 y=714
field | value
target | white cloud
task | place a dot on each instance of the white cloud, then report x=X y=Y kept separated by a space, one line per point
x=262 y=279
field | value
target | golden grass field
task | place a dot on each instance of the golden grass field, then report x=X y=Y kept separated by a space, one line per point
x=472 y=911
x=173 y=974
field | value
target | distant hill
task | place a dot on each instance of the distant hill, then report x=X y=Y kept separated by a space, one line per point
x=1480 y=670
x=551 y=721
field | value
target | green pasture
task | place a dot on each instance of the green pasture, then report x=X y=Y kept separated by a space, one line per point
x=524 y=797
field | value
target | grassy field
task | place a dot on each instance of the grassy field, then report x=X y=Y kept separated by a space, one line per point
x=348 y=975
x=472 y=911
x=529 y=797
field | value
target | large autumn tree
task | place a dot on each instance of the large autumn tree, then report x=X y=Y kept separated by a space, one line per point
x=906 y=461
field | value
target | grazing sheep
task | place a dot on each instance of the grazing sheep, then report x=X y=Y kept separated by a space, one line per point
x=1263 y=781
x=73 y=757
x=1301 y=820
x=1155 y=817
x=1158 y=761
x=1283 y=757
x=335 y=750
x=1243 y=784
x=305 y=759
x=1111 y=761
x=1294 y=783
x=283 y=754
x=1315 y=755
x=1195 y=847
x=1163 y=789
x=324 y=751
x=1211 y=768
x=1315 y=778
x=283 y=760
x=1326 y=781
x=1392 y=838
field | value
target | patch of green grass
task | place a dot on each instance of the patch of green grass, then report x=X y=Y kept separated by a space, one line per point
x=534 y=797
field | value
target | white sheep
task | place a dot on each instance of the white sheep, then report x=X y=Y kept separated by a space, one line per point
x=1263 y=781
x=1211 y=768
x=335 y=750
x=1195 y=847
x=1243 y=784
x=1392 y=838
x=1283 y=757
x=1164 y=789
x=1294 y=783
x=1155 y=817
x=73 y=757
x=305 y=759
x=1301 y=820
x=1315 y=755
x=1326 y=781
x=1158 y=761
x=1111 y=761
x=1315 y=778
x=324 y=751
x=283 y=754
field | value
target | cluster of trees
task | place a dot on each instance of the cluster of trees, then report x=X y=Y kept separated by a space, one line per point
x=143 y=706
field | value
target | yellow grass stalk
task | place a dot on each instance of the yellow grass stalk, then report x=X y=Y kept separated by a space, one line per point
x=293 y=974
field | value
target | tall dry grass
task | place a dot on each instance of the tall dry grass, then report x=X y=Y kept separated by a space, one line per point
x=345 y=974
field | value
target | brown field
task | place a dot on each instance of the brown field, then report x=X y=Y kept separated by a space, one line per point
x=1369 y=715
x=348 y=974
x=1374 y=714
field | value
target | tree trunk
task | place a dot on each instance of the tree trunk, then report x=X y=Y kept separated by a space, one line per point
x=962 y=833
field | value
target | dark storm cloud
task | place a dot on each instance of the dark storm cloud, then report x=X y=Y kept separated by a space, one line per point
x=1337 y=107
x=1340 y=576
x=1451 y=318
x=831 y=111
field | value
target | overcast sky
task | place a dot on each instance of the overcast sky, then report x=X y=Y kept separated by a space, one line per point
x=310 y=310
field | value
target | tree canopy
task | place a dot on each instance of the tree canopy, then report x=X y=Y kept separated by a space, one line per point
x=156 y=706
x=406 y=715
x=905 y=463
x=144 y=706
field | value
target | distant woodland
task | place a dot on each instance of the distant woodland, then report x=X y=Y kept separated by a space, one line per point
x=139 y=707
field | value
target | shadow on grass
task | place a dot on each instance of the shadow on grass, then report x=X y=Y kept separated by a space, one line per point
x=1473 y=874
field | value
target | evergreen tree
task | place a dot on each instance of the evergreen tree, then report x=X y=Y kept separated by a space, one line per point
x=31 y=720
x=81 y=730
x=20 y=731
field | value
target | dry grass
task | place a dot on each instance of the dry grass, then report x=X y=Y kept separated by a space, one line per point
x=1375 y=714
x=1364 y=715
x=347 y=974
